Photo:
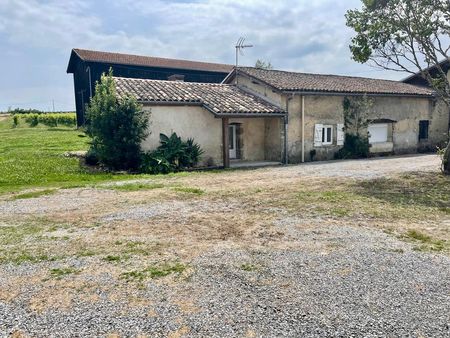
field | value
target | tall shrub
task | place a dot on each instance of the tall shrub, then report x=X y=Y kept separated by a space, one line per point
x=356 y=121
x=117 y=126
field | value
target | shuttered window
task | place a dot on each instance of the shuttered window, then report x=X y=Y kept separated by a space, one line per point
x=423 y=129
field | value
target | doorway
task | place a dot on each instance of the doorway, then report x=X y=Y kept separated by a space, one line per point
x=232 y=141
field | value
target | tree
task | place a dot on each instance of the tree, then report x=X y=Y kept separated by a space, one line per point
x=261 y=64
x=117 y=126
x=407 y=36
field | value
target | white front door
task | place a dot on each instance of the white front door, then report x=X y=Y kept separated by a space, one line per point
x=232 y=141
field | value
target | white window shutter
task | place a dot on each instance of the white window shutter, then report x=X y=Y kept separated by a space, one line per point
x=318 y=135
x=340 y=135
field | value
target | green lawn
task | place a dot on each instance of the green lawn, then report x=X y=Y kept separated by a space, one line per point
x=34 y=157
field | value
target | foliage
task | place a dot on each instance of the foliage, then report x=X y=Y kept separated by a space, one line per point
x=354 y=147
x=172 y=155
x=445 y=156
x=49 y=120
x=15 y=121
x=356 y=120
x=356 y=115
x=91 y=157
x=261 y=64
x=405 y=35
x=116 y=125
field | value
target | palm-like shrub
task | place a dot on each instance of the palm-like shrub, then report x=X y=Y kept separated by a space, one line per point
x=172 y=155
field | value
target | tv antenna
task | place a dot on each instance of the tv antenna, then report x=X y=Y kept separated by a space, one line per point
x=240 y=45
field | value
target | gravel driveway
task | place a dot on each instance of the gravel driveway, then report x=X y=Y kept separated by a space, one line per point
x=279 y=274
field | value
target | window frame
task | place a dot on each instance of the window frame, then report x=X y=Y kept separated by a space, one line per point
x=325 y=128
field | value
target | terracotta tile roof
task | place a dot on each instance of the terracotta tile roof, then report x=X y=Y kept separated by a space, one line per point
x=220 y=99
x=149 y=61
x=290 y=81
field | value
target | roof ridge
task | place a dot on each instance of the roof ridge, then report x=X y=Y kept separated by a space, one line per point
x=207 y=84
x=328 y=75
x=149 y=57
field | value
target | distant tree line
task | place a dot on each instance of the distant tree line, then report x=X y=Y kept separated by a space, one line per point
x=32 y=111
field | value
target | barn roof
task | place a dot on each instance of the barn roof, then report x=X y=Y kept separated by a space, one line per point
x=146 y=61
x=220 y=99
x=304 y=82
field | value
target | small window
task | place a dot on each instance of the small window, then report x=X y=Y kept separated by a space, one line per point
x=327 y=135
x=423 y=129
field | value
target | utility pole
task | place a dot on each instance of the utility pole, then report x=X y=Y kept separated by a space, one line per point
x=53 y=103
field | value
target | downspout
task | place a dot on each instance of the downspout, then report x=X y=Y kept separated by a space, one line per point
x=286 y=156
x=303 y=128
x=286 y=123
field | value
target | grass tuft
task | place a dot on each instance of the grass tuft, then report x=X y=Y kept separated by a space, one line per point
x=190 y=190
x=157 y=271
x=59 y=273
x=136 y=186
x=249 y=267
x=33 y=194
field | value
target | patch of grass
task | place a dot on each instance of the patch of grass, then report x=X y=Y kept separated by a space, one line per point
x=59 y=273
x=190 y=190
x=86 y=253
x=136 y=186
x=428 y=243
x=248 y=267
x=34 y=157
x=418 y=189
x=156 y=271
x=10 y=235
x=414 y=234
x=34 y=194
x=19 y=257
x=113 y=258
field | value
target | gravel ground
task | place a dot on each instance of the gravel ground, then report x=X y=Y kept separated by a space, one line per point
x=368 y=284
x=281 y=276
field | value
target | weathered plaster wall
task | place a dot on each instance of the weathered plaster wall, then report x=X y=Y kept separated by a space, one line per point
x=262 y=90
x=187 y=121
x=407 y=111
x=273 y=139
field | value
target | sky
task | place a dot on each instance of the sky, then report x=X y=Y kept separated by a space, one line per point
x=36 y=38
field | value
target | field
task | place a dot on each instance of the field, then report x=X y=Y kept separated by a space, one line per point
x=35 y=157
x=347 y=248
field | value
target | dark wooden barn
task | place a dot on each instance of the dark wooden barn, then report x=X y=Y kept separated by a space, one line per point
x=418 y=80
x=87 y=67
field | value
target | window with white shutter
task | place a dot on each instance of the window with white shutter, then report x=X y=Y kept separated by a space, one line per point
x=318 y=129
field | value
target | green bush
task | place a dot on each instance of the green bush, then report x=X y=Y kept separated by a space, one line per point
x=355 y=146
x=15 y=121
x=116 y=125
x=172 y=155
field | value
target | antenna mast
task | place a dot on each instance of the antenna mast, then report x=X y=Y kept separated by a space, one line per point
x=239 y=50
